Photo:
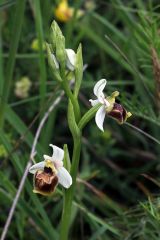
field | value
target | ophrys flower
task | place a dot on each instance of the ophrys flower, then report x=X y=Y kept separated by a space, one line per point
x=50 y=172
x=108 y=105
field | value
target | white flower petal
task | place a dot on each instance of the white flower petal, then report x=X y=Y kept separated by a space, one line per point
x=36 y=167
x=98 y=88
x=64 y=177
x=58 y=153
x=71 y=59
x=55 y=61
x=94 y=102
x=100 y=115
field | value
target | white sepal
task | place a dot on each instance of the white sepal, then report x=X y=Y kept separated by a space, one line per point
x=71 y=59
x=58 y=153
x=36 y=167
x=100 y=116
x=64 y=177
x=99 y=87
x=94 y=102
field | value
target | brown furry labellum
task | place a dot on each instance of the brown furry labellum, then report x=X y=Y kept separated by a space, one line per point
x=45 y=181
x=119 y=113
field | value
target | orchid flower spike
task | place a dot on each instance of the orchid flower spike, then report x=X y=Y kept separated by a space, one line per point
x=108 y=105
x=50 y=172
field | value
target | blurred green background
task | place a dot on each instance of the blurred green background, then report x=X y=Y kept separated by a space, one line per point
x=117 y=195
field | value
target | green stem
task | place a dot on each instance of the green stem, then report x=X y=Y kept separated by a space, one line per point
x=68 y=196
x=15 y=36
x=88 y=116
x=73 y=100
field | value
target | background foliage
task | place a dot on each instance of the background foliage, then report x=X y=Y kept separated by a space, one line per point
x=118 y=186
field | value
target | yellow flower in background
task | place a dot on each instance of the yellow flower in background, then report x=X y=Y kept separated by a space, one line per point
x=22 y=87
x=63 y=12
x=35 y=45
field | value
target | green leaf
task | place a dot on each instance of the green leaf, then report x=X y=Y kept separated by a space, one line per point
x=98 y=219
x=72 y=122
x=15 y=36
x=88 y=116
x=78 y=71
x=66 y=161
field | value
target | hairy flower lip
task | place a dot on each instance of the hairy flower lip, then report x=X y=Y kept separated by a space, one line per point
x=45 y=182
x=119 y=113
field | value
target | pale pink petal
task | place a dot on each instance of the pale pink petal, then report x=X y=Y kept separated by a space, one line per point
x=58 y=164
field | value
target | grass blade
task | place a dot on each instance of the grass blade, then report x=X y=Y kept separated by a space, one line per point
x=42 y=66
x=15 y=36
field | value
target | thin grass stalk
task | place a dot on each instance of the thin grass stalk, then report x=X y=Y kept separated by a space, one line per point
x=42 y=65
x=15 y=201
x=143 y=132
x=15 y=36
x=68 y=195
